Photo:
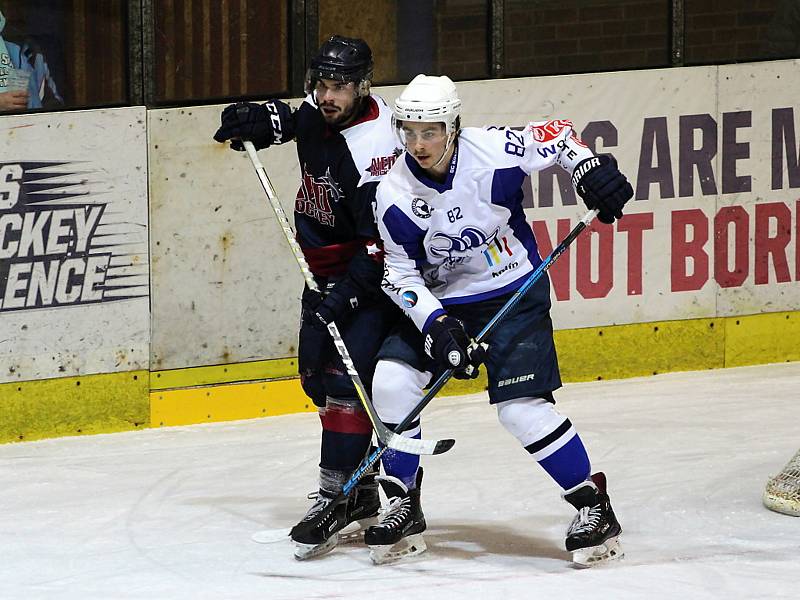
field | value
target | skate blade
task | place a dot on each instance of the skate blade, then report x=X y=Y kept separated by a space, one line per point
x=781 y=505
x=270 y=536
x=408 y=546
x=589 y=557
x=353 y=533
x=306 y=551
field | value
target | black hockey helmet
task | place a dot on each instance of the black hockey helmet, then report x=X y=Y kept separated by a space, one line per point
x=342 y=59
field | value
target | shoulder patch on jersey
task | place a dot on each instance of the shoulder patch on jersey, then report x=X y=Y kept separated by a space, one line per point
x=381 y=164
x=550 y=130
x=420 y=208
x=409 y=299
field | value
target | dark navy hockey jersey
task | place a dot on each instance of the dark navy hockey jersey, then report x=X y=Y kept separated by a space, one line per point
x=340 y=169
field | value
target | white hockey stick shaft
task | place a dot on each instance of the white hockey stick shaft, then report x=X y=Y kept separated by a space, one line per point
x=384 y=434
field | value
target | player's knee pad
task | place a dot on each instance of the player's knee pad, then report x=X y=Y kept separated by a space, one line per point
x=396 y=389
x=534 y=422
x=345 y=415
x=346 y=435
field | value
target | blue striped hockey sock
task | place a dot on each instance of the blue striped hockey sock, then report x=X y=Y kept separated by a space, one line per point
x=400 y=464
x=569 y=465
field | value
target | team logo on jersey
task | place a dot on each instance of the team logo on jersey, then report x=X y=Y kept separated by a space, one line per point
x=420 y=208
x=316 y=195
x=449 y=246
x=409 y=299
x=550 y=130
x=381 y=164
x=494 y=253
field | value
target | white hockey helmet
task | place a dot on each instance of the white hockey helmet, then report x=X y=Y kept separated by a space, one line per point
x=429 y=99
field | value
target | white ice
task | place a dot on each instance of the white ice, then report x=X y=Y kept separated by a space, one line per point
x=169 y=513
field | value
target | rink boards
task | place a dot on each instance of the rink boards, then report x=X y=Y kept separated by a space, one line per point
x=144 y=280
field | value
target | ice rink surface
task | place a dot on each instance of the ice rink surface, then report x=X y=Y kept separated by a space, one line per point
x=169 y=513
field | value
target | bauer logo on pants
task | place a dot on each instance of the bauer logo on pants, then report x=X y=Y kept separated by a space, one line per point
x=513 y=380
x=60 y=243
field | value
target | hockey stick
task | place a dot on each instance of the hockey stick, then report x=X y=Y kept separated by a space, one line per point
x=384 y=434
x=482 y=335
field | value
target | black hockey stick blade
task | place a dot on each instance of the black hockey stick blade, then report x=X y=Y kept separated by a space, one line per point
x=443 y=446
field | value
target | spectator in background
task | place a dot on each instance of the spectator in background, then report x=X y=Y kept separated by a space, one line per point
x=25 y=81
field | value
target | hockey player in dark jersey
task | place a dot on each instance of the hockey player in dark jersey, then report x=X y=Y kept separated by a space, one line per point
x=345 y=145
x=457 y=246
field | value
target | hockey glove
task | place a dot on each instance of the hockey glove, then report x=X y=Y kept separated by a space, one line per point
x=263 y=124
x=359 y=287
x=447 y=343
x=338 y=299
x=602 y=186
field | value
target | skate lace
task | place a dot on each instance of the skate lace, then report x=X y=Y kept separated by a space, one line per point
x=317 y=507
x=587 y=519
x=395 y=513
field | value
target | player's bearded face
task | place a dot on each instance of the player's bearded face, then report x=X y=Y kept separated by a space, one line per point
x=336 y=100
x=426 y=142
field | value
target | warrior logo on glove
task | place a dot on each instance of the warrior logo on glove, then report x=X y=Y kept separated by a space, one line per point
x=601 y=185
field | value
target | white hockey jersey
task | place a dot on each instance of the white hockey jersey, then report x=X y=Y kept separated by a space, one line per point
x=467 y=239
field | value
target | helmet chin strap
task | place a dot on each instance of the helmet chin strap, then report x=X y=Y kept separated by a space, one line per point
x=451 y=139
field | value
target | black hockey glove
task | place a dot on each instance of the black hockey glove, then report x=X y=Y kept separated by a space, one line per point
x=448 y=344
x=360 y=286
x=602 y=186
x=263 y=124
x=337 y=302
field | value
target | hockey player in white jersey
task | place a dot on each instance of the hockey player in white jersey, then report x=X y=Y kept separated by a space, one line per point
x=457 y=245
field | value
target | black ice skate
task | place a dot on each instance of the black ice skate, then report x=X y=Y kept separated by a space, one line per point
x=593 y=535
x=399 y=532
x=362 y=509
x=318 y=533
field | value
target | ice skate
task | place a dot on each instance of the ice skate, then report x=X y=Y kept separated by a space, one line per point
x=362 y=510
x=399 y=532
x=317 y=533
x=593 y=536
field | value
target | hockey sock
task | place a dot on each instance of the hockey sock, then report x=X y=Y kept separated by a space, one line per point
x=396 y=389
x=346 y=436
x=399 y=464
x=548 y=437
x=569 y=465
